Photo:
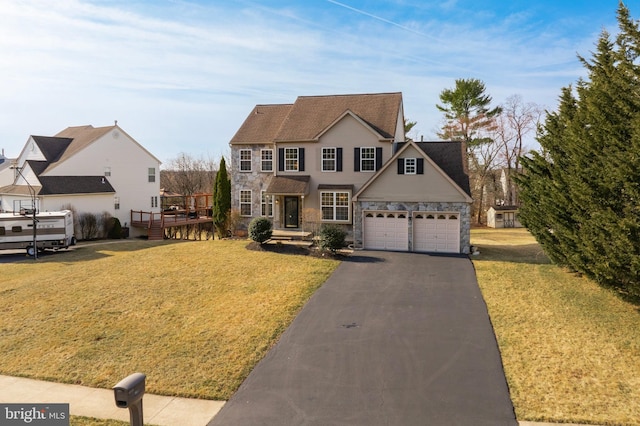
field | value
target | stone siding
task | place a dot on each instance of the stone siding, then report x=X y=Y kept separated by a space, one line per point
x=255 y=180
x=464 y=209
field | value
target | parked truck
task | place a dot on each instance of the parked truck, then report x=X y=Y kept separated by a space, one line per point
x=54 y=231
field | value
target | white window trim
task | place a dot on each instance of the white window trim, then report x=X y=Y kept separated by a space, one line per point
x=362 y=159
x=348 y=220
x=407 y=166
x=266 y=202
x=262 y=160
x=151 y=178
x=250 y=202
x=297 y=160
x=335 y=159
x=245 y=160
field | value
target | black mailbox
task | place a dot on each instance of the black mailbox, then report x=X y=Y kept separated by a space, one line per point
x=128 y=394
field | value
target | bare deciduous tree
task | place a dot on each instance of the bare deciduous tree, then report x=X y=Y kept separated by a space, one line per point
x=517 y=121
x=188 y=175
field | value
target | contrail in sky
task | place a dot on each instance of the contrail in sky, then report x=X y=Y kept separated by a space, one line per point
x=379 y=18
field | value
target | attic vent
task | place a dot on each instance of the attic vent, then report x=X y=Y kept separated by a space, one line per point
x=116 y=134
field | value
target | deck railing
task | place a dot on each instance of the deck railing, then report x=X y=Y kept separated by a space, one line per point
x=169 y=218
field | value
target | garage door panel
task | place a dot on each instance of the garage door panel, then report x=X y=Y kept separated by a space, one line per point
x=386 y=231
x=436 y=232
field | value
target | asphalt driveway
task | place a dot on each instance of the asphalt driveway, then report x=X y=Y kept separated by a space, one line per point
x=389 y=339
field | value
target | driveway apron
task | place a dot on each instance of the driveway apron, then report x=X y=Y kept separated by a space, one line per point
x=389 y=339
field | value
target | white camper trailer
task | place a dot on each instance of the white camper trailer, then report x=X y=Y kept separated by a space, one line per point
x=54 y=230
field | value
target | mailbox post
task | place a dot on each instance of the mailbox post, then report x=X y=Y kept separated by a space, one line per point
x=128 y=393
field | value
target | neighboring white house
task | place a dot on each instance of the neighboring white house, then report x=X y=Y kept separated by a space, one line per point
x=503 y=217
x=6 y=175
x=95 y=170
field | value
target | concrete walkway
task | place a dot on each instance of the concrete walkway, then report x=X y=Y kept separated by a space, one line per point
x=100 y=403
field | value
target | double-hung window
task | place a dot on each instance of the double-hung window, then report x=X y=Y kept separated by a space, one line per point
x=152 y=174
x=335 y=206
x=266 y=204
x=331 y=160
x=266 y=160
x=245 y=202
x=291 y=159
x=367 y=159
x=245 y=160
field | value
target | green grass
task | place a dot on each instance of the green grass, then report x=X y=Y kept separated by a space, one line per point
x=194 y=316
x=570 y=349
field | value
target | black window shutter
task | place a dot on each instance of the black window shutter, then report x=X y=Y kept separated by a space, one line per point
x=281 y=159
x=400 y=166
x=356 y=159
x=301 y=159
x=338 y=159
x=420 y=166
x=378 y=159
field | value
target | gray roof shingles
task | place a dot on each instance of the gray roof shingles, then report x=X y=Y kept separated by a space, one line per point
x=57 y=185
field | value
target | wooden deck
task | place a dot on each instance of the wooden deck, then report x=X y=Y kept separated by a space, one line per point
x=164 y=224
x=181 y=215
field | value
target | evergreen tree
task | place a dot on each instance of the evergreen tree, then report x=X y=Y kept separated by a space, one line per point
x=221 y=200
x=581 y=194
x=466 y=111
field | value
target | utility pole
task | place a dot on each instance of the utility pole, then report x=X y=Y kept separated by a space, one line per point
x=32 y=192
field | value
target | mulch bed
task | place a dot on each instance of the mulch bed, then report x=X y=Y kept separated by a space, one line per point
x=284 y=248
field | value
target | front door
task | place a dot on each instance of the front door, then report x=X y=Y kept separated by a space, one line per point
x=291 y=212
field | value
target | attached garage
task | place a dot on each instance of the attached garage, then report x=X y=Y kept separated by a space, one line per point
x=384 y=230
x=436 y=232
x=418 y=201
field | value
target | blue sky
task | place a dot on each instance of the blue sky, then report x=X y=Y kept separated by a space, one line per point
x=181 y=76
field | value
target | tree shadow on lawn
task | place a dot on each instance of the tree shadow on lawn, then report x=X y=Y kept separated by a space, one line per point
x=529 y=253
x=87 y=251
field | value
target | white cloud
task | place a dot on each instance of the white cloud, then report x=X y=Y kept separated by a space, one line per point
x=181 y=76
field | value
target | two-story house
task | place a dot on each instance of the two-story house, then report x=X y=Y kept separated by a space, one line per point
x=92 y=169
x=334 y=155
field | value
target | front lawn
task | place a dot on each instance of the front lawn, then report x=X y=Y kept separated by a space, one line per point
x=570 y=349
x=194 y=316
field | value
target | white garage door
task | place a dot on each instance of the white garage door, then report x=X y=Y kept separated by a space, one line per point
x=436 y=232
x=386 y=231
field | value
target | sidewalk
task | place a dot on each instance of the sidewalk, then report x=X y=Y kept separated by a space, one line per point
x=100 y=403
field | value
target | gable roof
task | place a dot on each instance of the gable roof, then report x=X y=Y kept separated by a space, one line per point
x=52 y=147
x=447 y=157
x=310 y=116
x=56 y=149
x=81 y=137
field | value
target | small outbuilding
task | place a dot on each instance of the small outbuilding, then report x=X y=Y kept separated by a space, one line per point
x=503 y=217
